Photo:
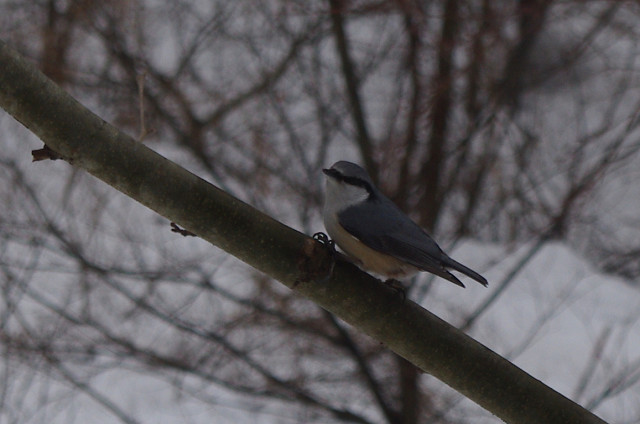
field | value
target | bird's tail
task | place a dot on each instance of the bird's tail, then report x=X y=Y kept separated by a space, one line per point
x=448 y=262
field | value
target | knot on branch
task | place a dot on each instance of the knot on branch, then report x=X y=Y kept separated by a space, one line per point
x=316 y=260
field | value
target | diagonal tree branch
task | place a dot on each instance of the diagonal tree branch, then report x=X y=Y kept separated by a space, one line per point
x=88 y=142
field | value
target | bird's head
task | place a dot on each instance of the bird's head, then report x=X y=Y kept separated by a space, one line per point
x=347 y=185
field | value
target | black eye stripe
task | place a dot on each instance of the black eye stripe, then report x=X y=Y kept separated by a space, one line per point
x=354 y=181
x=358 y=182
x=348 y=180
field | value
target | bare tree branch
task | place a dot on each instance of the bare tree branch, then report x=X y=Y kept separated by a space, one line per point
x=352 y=86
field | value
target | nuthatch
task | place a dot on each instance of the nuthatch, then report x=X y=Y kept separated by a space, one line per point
x=376 y=234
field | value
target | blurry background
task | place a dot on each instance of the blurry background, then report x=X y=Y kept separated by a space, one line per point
x=508 y=129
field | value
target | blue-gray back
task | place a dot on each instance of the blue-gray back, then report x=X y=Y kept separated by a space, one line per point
x=381 y=225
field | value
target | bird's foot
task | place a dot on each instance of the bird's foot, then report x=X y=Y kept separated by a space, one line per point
x=324 y=239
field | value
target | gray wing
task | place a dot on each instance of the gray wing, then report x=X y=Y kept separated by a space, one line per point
x=390 y=231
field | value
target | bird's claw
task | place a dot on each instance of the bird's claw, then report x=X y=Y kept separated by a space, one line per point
x=324 y=239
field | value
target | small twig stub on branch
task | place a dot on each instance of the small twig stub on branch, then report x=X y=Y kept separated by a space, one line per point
x=44 y=154
x=176 y=229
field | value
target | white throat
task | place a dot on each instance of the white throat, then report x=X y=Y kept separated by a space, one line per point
x=339 y=196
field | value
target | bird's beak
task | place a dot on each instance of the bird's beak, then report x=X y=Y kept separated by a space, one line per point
x=331 y=173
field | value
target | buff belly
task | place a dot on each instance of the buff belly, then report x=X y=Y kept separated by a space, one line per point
x=368 y=258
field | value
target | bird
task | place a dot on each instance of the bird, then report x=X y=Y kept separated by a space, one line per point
x=376 y=234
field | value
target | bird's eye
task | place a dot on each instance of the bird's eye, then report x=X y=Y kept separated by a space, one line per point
x=351 y=180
